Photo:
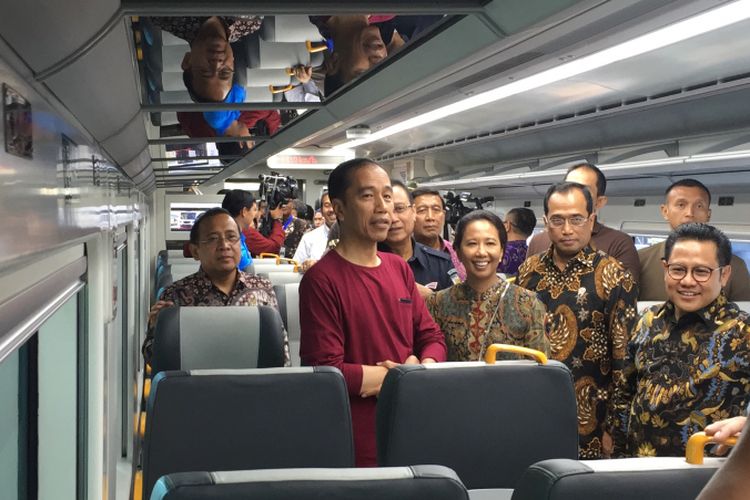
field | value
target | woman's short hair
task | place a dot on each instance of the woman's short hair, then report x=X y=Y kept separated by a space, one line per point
x=477 y=215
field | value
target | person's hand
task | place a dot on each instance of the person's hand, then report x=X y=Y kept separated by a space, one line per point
x=411 y=360
x=722 y=430
x=308 y=264
x=372 y=379
x=388 y=364
x=238 y=129
x=427 y=361
x=303 y=73
x=424 y=291
x=158 y=306
x=278 y=212
x=608 y=447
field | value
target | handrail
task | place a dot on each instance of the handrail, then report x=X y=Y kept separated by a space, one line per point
x=201 y=140
x=695 y=445
x=228 y=106
x=20 y=316
x=491 y=356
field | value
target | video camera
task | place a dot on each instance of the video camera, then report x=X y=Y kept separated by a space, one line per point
x=276 y=190
x=455 y=208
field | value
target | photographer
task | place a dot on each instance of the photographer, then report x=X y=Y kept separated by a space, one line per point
x=258 y=244
x=276 y=191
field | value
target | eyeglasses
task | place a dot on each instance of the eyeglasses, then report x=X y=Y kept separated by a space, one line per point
x=213 y=240
x=576 y=220
x=700 y=274
x=399 y=209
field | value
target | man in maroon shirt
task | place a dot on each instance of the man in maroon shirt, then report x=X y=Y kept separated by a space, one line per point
x=360 y=309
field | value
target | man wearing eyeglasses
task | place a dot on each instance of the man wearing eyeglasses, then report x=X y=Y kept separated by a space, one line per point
x=688 y=360
x=686 y=200
x=432 y=269
x=591 y=306
x=215 y=242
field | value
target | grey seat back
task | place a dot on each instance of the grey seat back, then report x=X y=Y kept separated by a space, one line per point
x=246 y=419
x=619 y=479
x=287 y=296
x=404 y=483
x=193 y=338
x=486 y=422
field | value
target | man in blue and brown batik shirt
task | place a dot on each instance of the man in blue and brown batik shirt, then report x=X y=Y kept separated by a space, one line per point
x=688 y=360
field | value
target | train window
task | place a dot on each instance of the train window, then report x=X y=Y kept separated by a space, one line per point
x=742 y=250
x=57 y=380
x=183 y=215
x=10 y=426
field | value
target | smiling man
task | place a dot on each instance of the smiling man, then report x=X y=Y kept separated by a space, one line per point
x=362 y=311
x=688 y=360
x=215 y=242
x=686 y=200
x=591 y=306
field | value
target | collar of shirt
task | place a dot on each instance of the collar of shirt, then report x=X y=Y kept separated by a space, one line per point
x=418 y=254
x=713 y=315
x=240 y=283
x=585 y=257
x=467 y=293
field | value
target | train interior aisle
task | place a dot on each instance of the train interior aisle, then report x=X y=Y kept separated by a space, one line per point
x=115 y=144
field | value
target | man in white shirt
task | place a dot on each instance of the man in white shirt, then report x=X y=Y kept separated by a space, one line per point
x=314 y=243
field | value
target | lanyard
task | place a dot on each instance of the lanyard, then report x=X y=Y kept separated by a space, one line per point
x=492 y=320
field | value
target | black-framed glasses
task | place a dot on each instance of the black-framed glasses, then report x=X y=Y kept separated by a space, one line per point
x=701 y=274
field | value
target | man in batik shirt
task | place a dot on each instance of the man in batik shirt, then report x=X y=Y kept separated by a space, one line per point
x=215 y=241
x=688 y=360
x=591 y=307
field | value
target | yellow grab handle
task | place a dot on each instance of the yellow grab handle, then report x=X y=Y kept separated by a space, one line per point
x=280 y=260
x=266 y=255
x=289 y=71
x=142 y=425
x=148 y=369
x=695 y=445
x=280 y=89
x=138 y=485
x=491 y=356
x=313 y=48
x=146 y=388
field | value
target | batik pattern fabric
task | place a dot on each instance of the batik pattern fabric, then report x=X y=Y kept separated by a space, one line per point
x=187 y=28
x=294 y=231
x=591 y=308
x=513 y=257
x=198 y=290
x=681 y=375
x=470 y=325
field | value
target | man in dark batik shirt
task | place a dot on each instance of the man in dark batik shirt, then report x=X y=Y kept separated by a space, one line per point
x=209 y=65
x=294 y=227
x=591 y=306
x=688 y=360
x=215 y=241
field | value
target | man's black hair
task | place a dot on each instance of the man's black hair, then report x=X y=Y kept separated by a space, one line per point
x=237 y=199
x=564 y=187
x=475 y=216
x=601 y=181
x=427 y=191
x=523 y=219
x=195 y=231
x=696 y=231
x=689 y=183
x=396 y=182
x=341 y=177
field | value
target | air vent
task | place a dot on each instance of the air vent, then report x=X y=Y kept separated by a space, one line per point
x=526 y=204
x=492 y=72
x=726 y=201
x=639 y=202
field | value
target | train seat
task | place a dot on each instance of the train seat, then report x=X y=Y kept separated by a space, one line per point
x=289 y=28
x=246 y=419
x=406 y=483
x=185 y=269
x=488 y=422
x=193 y=338
x=283 y=277
x=266 y=267
x=287 y=296
x=619 y=479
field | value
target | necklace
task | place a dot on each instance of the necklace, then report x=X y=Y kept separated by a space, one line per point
x=483 y=346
